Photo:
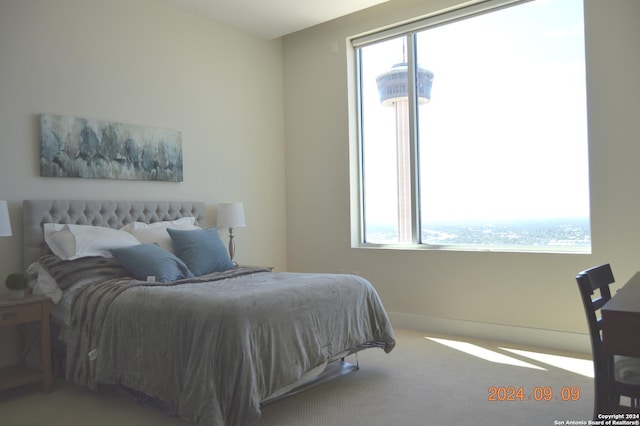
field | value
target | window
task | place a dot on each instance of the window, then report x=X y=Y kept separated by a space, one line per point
x=486 y=149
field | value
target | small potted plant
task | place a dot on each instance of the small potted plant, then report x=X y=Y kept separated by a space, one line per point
x=17 y=283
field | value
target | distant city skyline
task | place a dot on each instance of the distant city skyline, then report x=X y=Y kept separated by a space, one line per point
x=543 y=234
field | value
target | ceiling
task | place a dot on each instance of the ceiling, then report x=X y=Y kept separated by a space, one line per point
x=271 y=19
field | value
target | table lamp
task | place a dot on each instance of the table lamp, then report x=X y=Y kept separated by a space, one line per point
x=231 y=215
x=5 y=222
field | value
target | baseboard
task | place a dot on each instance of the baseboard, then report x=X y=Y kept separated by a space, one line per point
x=551 y=339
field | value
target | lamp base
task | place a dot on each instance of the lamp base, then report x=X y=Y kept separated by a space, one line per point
x=232 y=247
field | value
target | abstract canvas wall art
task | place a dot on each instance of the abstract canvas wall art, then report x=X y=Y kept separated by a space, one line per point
x=88 y=148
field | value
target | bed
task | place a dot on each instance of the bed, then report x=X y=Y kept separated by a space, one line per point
x=215 y=345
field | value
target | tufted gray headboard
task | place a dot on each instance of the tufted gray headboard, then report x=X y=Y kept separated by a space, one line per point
x=112 y=214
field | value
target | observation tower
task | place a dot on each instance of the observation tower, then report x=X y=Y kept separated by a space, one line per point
x=393 y=88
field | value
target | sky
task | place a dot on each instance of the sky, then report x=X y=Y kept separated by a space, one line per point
x=504 y=135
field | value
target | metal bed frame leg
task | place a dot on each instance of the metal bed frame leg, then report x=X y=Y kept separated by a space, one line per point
x=337 y=368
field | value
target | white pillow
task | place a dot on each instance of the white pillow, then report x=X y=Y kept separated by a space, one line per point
x=164 y=224
x=44 y=284
x=70 y=242
x=157 y=232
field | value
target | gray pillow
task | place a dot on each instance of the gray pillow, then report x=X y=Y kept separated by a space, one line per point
x=201 y=250
x=150 y=260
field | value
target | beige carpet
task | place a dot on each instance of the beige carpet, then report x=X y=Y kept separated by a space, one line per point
x=421 y=382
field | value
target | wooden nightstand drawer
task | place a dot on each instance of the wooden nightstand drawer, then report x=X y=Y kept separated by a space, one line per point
x=12 y=315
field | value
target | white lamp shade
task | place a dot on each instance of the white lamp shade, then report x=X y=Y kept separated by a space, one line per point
x=5 y=222
x=230 y=215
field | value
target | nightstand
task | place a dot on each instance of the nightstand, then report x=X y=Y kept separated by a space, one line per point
x=18 y=313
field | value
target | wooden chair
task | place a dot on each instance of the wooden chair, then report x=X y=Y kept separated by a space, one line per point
x=614 y=377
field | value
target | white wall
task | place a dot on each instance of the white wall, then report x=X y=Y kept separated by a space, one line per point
x=463 y=292
x=146 y=63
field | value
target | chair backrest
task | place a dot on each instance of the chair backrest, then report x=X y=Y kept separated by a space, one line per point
x=594 y=288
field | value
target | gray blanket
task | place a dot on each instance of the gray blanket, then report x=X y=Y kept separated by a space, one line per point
x=214 y=347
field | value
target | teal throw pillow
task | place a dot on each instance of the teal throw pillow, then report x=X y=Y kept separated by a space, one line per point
x=150 y=260
x=201 y=250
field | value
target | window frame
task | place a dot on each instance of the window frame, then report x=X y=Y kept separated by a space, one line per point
x=409 y=31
